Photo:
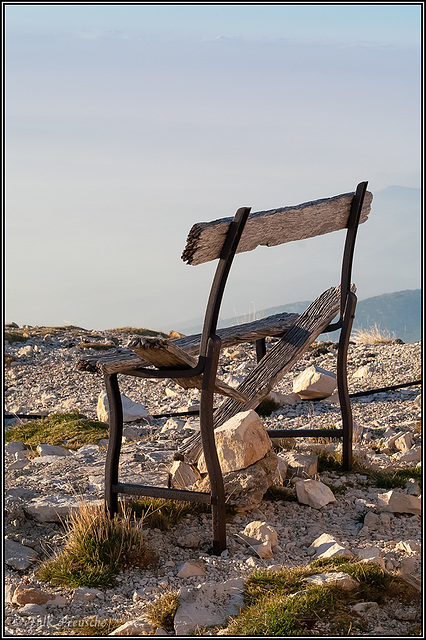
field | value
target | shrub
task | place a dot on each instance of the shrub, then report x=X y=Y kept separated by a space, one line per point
x=97 y=547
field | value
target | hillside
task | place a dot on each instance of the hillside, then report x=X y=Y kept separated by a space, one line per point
x=396 y=313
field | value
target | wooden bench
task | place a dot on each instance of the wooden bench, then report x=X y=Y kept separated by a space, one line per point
x=192 y=361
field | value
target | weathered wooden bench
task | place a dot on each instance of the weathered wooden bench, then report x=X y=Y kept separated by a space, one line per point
x=192 y=361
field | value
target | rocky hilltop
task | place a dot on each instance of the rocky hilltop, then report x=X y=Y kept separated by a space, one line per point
x=361 y=518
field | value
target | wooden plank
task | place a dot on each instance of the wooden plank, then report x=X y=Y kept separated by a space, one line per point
x=267 y=327
x=273 y=227
x=126 y=360
x=163 y=354
x=277 y=361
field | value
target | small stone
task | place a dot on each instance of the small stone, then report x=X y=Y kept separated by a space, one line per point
x=313 y=493
x=18 y=556
x=315 y=382
x=343 y=579
x=259 y=531
x=190 y=540
x=138 y=627
x=192 y=568
x=24 y=594
x=183 y=475
x=53 y=450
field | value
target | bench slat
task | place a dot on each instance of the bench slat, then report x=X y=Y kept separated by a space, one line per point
x=273 y=227
x=163 y=354
x=277 y=361
x=122 y=361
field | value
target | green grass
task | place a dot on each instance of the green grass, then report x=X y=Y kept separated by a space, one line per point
x=162 y=514
x=282 y=603
x=97 y=548
x=396 y=479
x=71 y=430
x=161 y=613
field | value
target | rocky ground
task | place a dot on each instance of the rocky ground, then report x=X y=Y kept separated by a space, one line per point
x=42 y=378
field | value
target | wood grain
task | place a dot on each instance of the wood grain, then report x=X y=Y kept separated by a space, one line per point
x=273 y=227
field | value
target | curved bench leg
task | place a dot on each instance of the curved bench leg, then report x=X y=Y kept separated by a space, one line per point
x=342 y=382
x=207 y=435
x=114 y=445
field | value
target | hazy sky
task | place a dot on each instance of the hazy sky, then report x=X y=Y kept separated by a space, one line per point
x=127 y=123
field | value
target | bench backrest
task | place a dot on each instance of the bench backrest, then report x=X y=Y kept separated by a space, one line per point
x=277 y=226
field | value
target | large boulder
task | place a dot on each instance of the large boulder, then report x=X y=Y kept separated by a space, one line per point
x=245 y=488
x=240 y=442
x=315 y=383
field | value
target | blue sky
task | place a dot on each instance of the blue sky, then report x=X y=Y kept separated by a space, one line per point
x=127 y=123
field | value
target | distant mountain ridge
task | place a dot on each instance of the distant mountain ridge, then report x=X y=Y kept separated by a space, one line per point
x=397 y=313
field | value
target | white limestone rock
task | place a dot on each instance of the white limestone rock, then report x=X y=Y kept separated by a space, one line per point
x=300 y=463
x=314 y=493
x=137 y=627
x=259 y=531
x=131 y=410
x=326 y=546
x=209 y=604
x=17 y=555
x=14 y=447
x=183 y=475
x=53 y=450
x=192 y=568
x=315 y=382
x=240 y=442
x=340 y=578
x=54 y=508
x=398 y=502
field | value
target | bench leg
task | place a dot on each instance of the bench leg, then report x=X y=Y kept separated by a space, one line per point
x=260 y=349
x=209 y=447
x=342 y=382
x=114 y=444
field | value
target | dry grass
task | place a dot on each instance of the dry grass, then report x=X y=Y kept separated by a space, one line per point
x=373 y=335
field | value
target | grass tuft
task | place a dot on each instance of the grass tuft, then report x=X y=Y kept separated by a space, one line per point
x=373 y=335
x=97 y=548
x=72 y=430
x=161 y=613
